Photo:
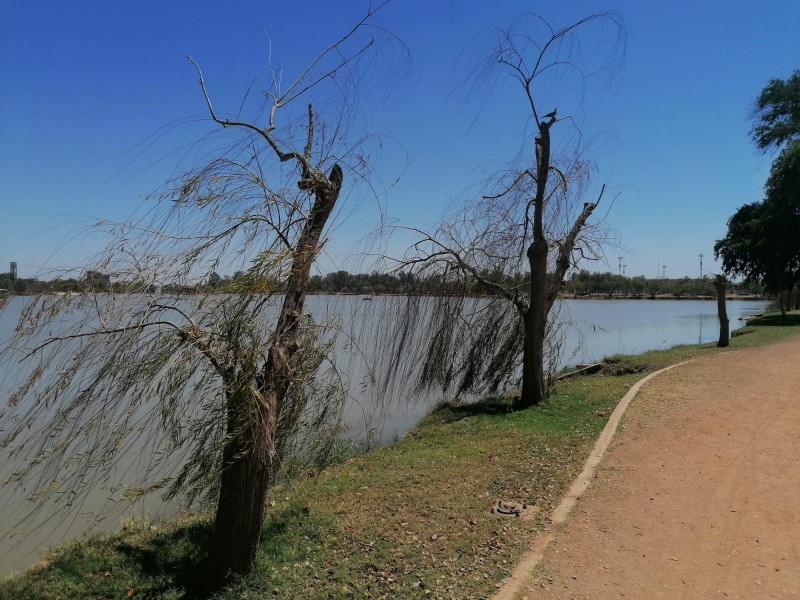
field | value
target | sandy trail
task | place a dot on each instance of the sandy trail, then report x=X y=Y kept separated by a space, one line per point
x=699 y=494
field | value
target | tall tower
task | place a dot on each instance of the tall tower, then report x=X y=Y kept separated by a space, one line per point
x=620 y=265
x=13 y=271
x=701 y=265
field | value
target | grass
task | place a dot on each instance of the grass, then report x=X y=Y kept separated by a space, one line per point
x=411 y=520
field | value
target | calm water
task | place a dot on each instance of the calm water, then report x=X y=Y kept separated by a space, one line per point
x=634 y=326
x=597 y=328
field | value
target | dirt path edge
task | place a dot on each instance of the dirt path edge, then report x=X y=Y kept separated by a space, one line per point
x=512 y=585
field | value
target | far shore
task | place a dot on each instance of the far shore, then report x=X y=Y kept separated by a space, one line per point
x=661 y=297
x=370 y=295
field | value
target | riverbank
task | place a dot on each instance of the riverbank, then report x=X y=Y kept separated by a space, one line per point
x=407 y=521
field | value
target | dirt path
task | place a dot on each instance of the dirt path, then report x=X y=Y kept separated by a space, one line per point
x=699 y=494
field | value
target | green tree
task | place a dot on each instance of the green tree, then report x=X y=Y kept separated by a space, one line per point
x=638 y=285
x=762 y=244
x=777 y=113
x=96 y=281
x=214 y=280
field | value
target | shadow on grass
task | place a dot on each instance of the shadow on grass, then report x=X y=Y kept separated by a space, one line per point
x=450 y=413
x=158 y=564
x=177 y=559
x=776 y=320
x=180 y=555
x=135 y=564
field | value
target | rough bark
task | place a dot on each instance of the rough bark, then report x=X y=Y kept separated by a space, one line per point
x=253 y=417
x=244 y=481
x=722 y=312
x=534 y=386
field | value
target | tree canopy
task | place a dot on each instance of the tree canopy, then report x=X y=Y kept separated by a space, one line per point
x=777 y=113
x=762 y=243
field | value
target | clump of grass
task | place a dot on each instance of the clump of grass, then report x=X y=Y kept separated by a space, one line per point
x=411 y=520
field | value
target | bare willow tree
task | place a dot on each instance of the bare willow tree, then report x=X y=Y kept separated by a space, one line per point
x=516 y=243
x=212 y=389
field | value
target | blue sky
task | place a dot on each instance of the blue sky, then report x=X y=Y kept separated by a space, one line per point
x=84 y=83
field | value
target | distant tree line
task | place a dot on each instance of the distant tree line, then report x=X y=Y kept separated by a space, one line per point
x=342 y=282
x=89 y=281
x=584 y=283
x=581 y=284
x=337 y=282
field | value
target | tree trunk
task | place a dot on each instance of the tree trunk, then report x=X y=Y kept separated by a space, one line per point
x=540 y=301
x=247 y=460
x=253 y=418
x=722 y=313
x=534 y=386
x=535 y=318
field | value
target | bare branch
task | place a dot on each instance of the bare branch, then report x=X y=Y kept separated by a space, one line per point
x=97 y=332
x=310 y=139
x=297 y=88
x=525 y=173
x=263 y=132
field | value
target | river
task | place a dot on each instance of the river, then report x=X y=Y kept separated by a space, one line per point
x=596 y=328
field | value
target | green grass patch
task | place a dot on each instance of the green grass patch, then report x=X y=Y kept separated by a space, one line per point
x=411 y=520
x=791 y=319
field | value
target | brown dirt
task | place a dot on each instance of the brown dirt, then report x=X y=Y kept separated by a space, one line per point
x=698 y=495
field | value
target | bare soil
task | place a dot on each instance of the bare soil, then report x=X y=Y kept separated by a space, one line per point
x=699 y=494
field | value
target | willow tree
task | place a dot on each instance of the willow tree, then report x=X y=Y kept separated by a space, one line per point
x=515 y=242
x=213 y=389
